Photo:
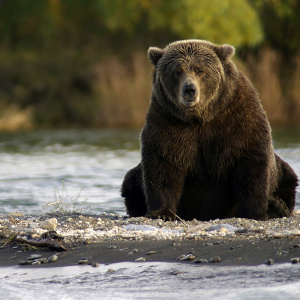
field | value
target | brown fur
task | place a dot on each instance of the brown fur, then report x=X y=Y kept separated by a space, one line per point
x=206 y=144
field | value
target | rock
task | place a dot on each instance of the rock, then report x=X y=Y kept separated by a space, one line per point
x=295 y=260
x=34 y=256
x=52 y=258
x=201 y=261
x=208 y=244
x=187 y=257
x=215 y=259
x=95 y=265
x=281 y=253
x=269 y=262
x=83 y=261
x=49 y=224
x=110 y=271
x=151 y=252
x=222 y=228
x=140 y=259
x=25 y=262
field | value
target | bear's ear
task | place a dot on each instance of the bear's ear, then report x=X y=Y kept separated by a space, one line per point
x=225 y=51
x=155 y=54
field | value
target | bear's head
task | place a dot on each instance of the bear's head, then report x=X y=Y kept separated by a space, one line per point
x=190 y=74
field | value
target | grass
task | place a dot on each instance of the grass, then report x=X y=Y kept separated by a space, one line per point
x=66 y=203
x=278 y=85
x=123 y=91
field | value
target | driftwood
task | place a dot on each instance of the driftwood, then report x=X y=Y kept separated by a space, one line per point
x=44 y=243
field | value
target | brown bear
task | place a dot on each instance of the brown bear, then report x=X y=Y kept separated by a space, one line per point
x=206 y=145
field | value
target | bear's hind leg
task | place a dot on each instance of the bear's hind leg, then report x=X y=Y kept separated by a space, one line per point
x=283 y=201
x=132 y=191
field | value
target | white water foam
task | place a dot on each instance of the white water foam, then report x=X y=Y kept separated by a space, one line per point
x=152 y=281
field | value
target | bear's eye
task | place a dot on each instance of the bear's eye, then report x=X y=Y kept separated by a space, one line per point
x=178 y=72
x=198 y=71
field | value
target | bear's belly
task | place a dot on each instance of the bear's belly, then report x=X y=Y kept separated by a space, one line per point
x=206 y=201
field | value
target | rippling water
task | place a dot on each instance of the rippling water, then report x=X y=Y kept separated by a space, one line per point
x=152 y=281
x=34 y=164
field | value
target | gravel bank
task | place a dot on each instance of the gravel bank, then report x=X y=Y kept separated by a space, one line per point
x=110 y=238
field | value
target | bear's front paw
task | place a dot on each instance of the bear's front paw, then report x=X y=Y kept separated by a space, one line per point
x=164 y=214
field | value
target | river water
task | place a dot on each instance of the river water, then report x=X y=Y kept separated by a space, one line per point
x=36 y=165
x=47 y=166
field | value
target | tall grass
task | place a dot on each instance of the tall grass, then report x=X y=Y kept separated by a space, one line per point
x=123 y=91
x=278 y=83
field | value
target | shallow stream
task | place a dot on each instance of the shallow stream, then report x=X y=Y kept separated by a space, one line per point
x=36 y=166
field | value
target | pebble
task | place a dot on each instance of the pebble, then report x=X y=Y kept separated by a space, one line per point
x=151 y=252
x=83 y=261
x=180 y=257
x=201 y=261
x=43 y=260
x=111 y=271
x=140 y=259
x=25 y=262
x=112 y=247
x=281 y=253
x=95 y=265
x=34 y=256
x=49 y=224
x=52 y=258
x=215 y=259
x=123 y=249
x=295 y=260
x=187 y=257
x=222 y=228
x=269 y=262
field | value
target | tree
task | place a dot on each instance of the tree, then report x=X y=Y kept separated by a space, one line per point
x=281 y=24
x=226 y=21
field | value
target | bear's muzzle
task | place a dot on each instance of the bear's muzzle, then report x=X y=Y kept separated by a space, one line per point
x=189 y=95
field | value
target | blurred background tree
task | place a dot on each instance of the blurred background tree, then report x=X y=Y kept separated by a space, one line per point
x=83 y=63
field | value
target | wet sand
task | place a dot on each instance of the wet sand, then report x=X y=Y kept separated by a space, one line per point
x=235 y=252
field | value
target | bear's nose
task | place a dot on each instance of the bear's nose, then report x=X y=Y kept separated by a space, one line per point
x=189 y=90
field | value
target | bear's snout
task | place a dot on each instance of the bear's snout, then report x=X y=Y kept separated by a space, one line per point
x=189 y=90
x=189 y=95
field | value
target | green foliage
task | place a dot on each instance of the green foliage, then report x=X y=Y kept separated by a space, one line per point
x=25 y=21
x=76 y=22
x=281 y=24
x=226 y=21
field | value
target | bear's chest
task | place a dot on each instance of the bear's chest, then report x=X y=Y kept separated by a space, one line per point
x=192 y=149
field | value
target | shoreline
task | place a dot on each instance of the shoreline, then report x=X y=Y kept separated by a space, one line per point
x=73 y=239
x=232 y=252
